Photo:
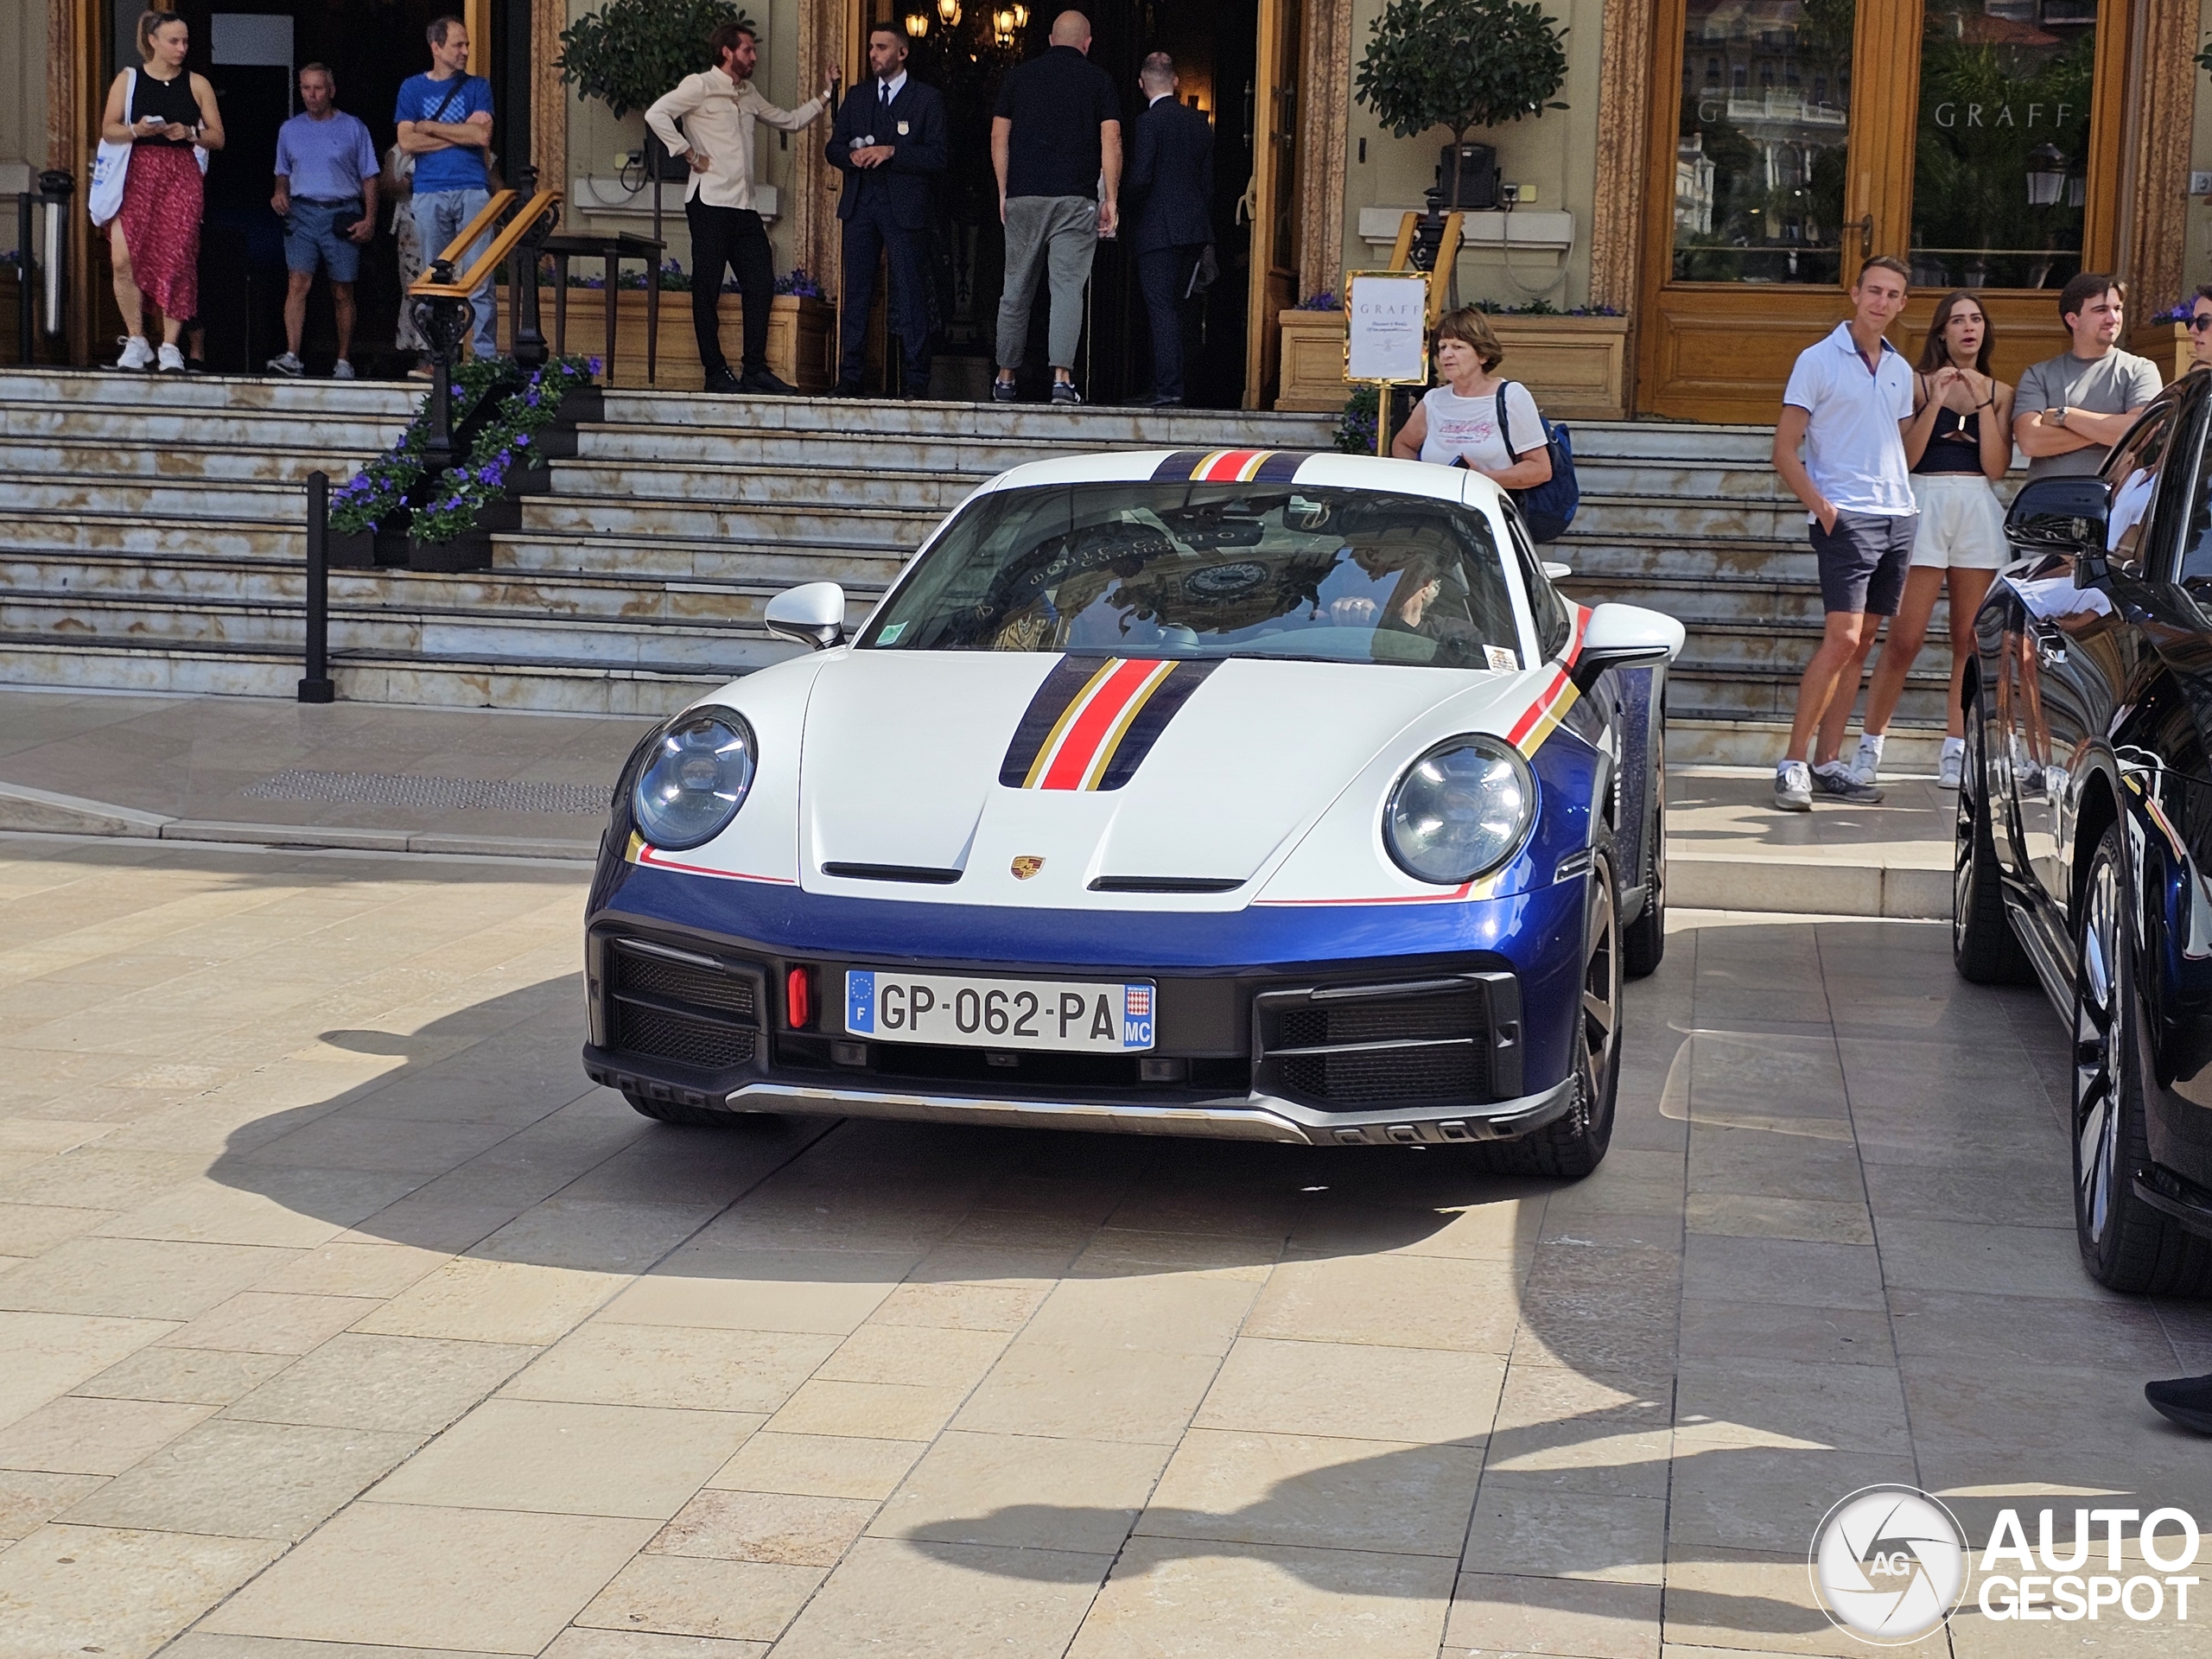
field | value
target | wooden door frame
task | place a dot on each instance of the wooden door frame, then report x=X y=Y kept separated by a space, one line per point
x=2142 y=85
x=1276 y=76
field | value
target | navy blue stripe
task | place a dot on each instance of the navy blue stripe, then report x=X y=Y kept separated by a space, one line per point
x=1069 y=676
x=1177 y=469
x=1281 y=466
x=1152 y=720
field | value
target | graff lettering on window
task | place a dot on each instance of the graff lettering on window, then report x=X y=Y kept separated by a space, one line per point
x=2001 y=115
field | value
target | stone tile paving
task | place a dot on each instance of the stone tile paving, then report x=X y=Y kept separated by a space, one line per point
x=343 y=1321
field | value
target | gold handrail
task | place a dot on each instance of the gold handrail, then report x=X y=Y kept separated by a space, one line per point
x=465 y=284
x=457 y=250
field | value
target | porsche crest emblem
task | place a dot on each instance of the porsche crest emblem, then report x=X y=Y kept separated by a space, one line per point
x=1025 y=866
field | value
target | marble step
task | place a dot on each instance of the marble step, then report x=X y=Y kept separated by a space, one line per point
x=398 y=677
x=120 y=429
x=1088 y=426
x=25 y=460
x=110 y=389
x=933 y=493
x=778 y=565
x=582 y=517
x=1705 y=602
x=692 y=646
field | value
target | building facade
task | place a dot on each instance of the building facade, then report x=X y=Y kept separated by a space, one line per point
x=1721 y=168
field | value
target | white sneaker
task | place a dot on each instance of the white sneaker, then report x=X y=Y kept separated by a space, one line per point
x=288 y=363
x=1868 y=760
x=1793 y=786
x=136 y=353
x=1947 y=769
x=341 y=370
x=172 y=360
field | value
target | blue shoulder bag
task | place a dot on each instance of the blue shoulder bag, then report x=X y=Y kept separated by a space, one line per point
x=1548 y=508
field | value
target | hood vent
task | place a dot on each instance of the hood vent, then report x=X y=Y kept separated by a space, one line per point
x=925 y=874
x=1166 y=884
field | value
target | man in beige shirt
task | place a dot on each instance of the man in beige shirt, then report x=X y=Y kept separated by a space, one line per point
x=718 y=108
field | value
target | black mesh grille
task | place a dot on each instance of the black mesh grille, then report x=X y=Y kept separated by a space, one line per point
x=1451 y=1074
x=678 y=981
x=1444 y=1075
x=702 y=1043
x=1383 y=1020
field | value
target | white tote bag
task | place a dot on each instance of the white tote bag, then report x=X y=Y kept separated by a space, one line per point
x=111 y=162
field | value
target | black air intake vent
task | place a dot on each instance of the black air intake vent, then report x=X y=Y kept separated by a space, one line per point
x=671 y=1005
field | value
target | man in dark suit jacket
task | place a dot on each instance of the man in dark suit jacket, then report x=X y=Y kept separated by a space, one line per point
x=890 y=143
x=1171 y=179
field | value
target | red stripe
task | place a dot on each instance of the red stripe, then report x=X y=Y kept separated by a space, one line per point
x=1081 y=744
x=1536 y=710
x=1225 y=470
x=649 y=855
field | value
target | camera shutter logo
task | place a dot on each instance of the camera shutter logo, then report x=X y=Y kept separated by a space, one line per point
x=1889 y=1564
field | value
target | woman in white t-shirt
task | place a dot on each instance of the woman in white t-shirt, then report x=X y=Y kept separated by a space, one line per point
x=1455 y=424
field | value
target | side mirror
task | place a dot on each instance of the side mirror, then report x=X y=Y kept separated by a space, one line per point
x=1625 y=636
x=2060 y=515
x=812 y=615
x=1557 y=571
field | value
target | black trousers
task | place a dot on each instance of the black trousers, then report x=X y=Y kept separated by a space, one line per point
x=731 y=237
x=872 y=230
x=1164 y=276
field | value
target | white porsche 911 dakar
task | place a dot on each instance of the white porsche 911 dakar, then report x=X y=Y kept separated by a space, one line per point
x=1255 y=794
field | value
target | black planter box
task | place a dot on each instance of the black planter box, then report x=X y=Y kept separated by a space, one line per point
x=470 y=550
x=352 y=549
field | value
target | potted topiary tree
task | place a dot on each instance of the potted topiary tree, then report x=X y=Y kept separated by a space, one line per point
x=1459 y=65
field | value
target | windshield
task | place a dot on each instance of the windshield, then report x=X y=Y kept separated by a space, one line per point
x=1211 y=570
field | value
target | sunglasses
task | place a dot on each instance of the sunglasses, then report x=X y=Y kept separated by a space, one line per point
x=2198 y=325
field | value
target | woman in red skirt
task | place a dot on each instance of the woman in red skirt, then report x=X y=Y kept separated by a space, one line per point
x=162 y=111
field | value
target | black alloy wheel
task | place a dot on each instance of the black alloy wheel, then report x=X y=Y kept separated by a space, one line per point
x=2125 y=1244
x=1984 y=948
x=1574 y=1145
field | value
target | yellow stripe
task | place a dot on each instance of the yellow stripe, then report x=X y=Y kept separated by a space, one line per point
x=1153 y=681
x=1548 y=722
x=636 y=845
x=1250 y=470
x=1037 y=768
x=1199 y=472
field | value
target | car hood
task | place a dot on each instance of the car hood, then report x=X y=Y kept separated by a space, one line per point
x=1135 y=775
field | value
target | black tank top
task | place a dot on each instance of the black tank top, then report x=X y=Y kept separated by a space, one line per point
x=170 y=99
x=1954 y=446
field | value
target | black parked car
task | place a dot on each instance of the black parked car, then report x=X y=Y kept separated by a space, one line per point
x=2084 y=852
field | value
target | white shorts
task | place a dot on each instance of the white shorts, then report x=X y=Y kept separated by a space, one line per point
x=1961 y=522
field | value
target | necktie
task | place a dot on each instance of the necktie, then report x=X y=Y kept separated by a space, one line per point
x=884 y=88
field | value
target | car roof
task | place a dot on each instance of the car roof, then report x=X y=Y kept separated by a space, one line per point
x=1308 y=467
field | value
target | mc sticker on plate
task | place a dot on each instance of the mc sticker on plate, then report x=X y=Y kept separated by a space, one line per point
x=1502 y=659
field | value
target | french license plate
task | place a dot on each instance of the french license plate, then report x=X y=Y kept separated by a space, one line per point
x=1091 y=1018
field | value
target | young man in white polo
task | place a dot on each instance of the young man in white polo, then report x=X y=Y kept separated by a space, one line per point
x=1846 y=404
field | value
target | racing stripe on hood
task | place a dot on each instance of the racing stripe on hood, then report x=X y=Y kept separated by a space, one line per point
x=1230 y=466
x=1089 y=725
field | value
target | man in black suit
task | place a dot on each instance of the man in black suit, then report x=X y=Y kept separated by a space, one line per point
x=890 y=143
x=1171 y=178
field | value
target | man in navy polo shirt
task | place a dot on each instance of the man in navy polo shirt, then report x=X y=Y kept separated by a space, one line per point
x=445 y=124
x=1846 y=402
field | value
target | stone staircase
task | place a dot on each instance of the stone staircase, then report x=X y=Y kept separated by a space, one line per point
x=153 y=539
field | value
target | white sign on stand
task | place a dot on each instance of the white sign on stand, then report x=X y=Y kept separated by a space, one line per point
x=1388 y=335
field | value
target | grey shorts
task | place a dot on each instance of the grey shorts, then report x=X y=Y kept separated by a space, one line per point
x=1863 y=561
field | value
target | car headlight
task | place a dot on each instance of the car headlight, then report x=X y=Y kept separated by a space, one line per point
x=1460 y=811
x=694 y=780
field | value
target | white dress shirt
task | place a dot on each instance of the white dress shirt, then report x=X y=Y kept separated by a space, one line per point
x=718 y=115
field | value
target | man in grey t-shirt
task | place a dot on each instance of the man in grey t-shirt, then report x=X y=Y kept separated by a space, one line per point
x=2073 y=408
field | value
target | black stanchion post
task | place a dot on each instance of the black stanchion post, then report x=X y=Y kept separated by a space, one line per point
x=26 y=283
x=529 y=342
x=317 y=686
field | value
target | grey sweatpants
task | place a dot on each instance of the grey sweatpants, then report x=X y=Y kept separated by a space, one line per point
x=1059 y=233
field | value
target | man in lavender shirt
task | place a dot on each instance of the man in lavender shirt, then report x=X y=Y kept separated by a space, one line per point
x=326 y=196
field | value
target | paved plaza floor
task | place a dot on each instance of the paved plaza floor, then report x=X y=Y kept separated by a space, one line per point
x=343 y=1320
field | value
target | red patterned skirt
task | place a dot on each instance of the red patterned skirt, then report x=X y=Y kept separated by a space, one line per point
x=163 y=194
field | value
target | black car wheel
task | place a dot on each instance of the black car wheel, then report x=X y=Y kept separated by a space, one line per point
x=1643 y=941
x=2125 y=1244
x=1983 y=945
x=1575 y=1144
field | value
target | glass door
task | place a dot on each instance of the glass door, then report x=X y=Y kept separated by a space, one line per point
x=1977 y=139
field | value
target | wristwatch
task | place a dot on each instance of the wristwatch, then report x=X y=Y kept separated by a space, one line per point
x=2060 y=417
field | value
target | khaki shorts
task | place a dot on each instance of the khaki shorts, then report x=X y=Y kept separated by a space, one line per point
x=1961 y=522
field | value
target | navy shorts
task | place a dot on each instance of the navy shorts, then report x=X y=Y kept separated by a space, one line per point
x=1863 y=561
x=311 y=239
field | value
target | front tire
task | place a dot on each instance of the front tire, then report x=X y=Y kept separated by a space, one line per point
x=2125 y=1244
x=1984 y=948
x=1643 y=941
x=1574 y=1145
